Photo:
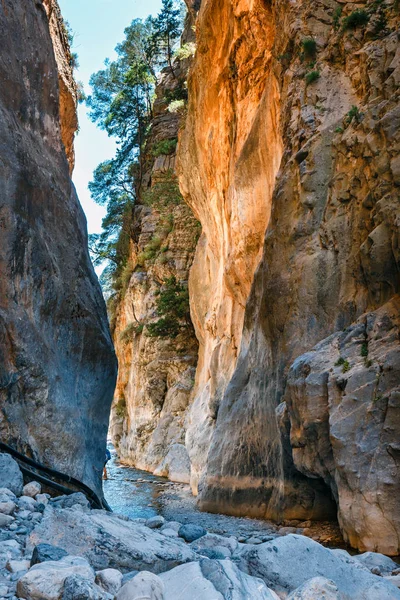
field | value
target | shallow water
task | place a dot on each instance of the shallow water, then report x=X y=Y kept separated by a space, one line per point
x=136 y=493
x=132 y=492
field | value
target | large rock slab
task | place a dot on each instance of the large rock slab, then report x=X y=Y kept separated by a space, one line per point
x=213 y=580
x=56 y=353
x=288 y=562
x=10 y=474
x=108 y=541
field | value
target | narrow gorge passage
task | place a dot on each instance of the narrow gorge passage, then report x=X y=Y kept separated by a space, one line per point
x=200 y=356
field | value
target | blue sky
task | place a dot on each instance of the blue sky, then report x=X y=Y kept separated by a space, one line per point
x=98 y=26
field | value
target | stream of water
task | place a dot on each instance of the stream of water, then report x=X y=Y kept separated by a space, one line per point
x=138 y=494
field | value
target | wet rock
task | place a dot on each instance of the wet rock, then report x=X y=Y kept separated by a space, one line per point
x=32 y=489
x=317 y=588
x=10 y=474
x=212 y=579
x=77 y=587
x=288 y=562
x=47 y=552
x=110 y=580
x=107 y=541
x=144 y=586
x=190 y=532
x=46 y=580
x=155 y=522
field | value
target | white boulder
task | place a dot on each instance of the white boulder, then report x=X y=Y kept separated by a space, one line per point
x=144 y=586
x=32 y=489
x=213 y=580
x=45 y=581
x=317 y=588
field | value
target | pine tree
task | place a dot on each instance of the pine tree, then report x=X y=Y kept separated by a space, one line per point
x=167 y=29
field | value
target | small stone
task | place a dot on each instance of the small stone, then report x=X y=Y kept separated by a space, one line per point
x=175 y=525
x=169 y=533
x=32 y=489
x=242 y=539
x=287 y=530
x=15 y=566
x=7 y=508
x=27 y=503
x=42 y=499
x=5 y=520
x=190 y=533
x=23 y=514
x=110 y=580
x=7 y=492
x=77 y=587
x=46 y=552
x=155 y=522
x=254 y=540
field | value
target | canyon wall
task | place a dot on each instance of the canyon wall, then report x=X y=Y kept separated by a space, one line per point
x=57 y=364
x=156 y=372
x=293 y=128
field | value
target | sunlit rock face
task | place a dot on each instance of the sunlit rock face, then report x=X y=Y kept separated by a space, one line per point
x=228 y=158
x=330 y=258
x=57 y=365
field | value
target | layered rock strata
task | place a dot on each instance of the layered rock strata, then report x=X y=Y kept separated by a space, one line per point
x=57 y=365
x=314 y=88
x=156 y=373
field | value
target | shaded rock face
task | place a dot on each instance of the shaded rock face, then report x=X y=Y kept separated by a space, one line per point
x=57 y=365
x=156 y=374
x=330 y=258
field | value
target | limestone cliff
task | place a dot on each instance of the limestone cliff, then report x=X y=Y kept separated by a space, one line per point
x=57 y=365
x=156 y=372
x=293 y=129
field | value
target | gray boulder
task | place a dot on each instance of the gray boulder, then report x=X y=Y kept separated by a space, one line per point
x=45 y=581
x=374 y=560
x=317 y=588
x=190 y=532
x=10 y=474
x=107 y=541
x=155 y=522
x=144 y=586
x=77 y=587
x=46 y=552
x=288 y=562
x=212 y=541
x=213 y=580
x=71 y=500
x=110 y=580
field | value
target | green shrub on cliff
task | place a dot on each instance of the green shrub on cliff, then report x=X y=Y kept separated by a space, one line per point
x=357 y=18
x=173 y=308
x=164 y=147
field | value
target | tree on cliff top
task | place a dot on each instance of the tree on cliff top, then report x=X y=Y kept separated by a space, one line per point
x=167 y=30
x=121 y=104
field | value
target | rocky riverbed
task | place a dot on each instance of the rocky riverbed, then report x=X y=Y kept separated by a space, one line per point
x=61 y=549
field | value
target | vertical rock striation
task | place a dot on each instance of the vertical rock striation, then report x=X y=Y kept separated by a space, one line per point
x=57 y=365
x=310 y=413
x=229 y=155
